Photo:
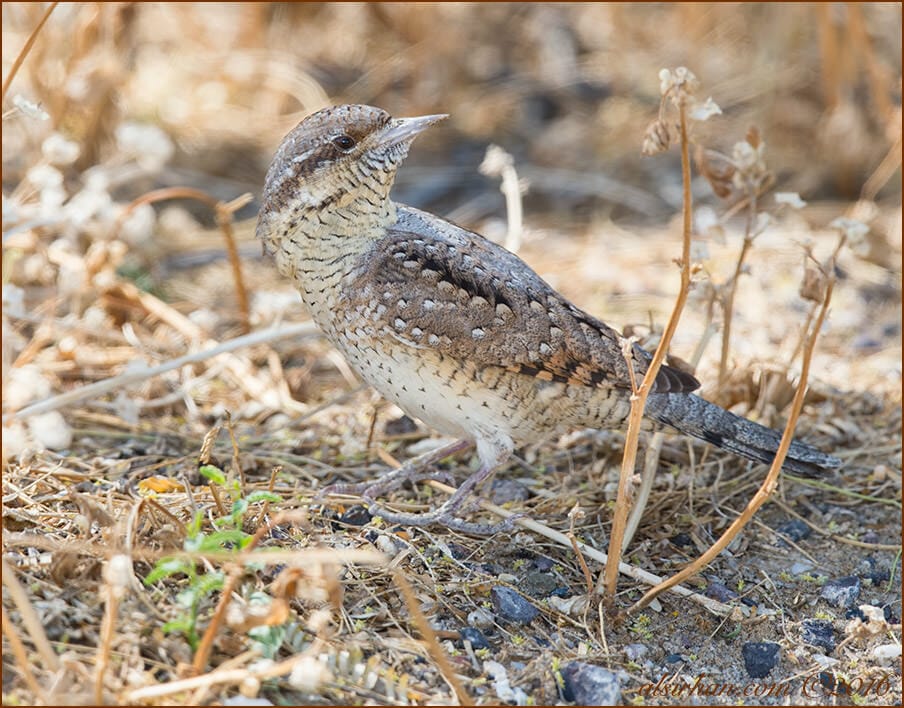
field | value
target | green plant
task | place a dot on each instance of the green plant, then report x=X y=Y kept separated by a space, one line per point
x=228 y=535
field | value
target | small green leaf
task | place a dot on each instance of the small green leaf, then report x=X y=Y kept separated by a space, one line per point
x=166 y=567
x=219 y=540
x=213 y=473
x=263 y=496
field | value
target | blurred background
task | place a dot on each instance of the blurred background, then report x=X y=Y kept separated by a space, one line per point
x=116 y=99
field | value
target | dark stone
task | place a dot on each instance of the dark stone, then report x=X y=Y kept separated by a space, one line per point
x=400 y=426
x=356 y=515
x=819 y=633
x=539 y=584
x=511 y=606
x=842 y=592
x=874 y=571
x=542 y=563
x=458 y=551
x=503 y=491
x=672 y=658
x=760 y=658
x=475 y=636
x=720 y=592
x=795 y=529
x=589 y=685
x=681 y=540
x=890 y=615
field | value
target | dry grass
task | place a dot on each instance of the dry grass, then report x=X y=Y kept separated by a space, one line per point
x=145 y=437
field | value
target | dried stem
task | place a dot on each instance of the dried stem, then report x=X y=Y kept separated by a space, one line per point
x=223 y=212
x=639 y=399
x=26 y=48
x=728 y=302
x=429 y=637
x=20 y=653
x=99 y=388
x=29 y=615
x=769 y=484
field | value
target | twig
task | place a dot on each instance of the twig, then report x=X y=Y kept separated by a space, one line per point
x=769 y=484
x=631 y=571
x=21 y=655
x=223 y=212
x=131 y=377
x=728 y=302
x=117 y=578
x=650 y=468
x=639 y=399
x=26 y=48
x=429 y=636
x=33 y=625
x=260 y=671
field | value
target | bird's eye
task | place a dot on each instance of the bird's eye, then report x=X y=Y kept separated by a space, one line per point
x=344 y=142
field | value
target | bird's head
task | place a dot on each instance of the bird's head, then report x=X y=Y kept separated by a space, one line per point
x=339 y=158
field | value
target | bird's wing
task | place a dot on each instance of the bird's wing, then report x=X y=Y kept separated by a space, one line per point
x=469 y=298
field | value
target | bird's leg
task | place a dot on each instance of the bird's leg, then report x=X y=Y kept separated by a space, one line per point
x=413 y=470
x=444 y=515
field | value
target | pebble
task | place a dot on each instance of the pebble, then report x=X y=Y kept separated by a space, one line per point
x=842 y=592
x=636 y=651
x=760 y=658
x=877 y=573
x=539 y=584
x=481 y=618
x=589 y=685
x=511 y=606
x=801 y=567
x=885 y=653
x=672 y=658
x=356 y=515
x=819 y=633
x=504 y=491
x=720 y=592
x=400 y=426
x=475 y=636
x=795 y=529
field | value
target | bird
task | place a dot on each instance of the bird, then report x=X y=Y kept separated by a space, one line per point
x=453 y=328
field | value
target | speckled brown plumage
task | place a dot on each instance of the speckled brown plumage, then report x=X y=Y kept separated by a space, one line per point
x=452 y=327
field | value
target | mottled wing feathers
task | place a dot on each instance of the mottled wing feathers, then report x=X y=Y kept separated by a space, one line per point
x=444 y=288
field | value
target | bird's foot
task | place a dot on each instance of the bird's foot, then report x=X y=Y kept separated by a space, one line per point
x=445 y=515
x=442 y=517
x=414 y=470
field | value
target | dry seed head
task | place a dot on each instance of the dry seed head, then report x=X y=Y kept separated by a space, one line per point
x=717 y=169
x=495 y=161
x=853 y=230
x=703 y=111
x=749 y=163
x=680 y=83
x=656 y=139
x=813 y=286
x=791 y=199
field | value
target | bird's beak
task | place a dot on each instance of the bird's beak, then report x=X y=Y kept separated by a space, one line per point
x=403 y=130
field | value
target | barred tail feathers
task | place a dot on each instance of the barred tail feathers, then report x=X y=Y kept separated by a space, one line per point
x=701 y=419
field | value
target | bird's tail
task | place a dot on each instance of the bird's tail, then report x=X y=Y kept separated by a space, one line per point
x=701 y=419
